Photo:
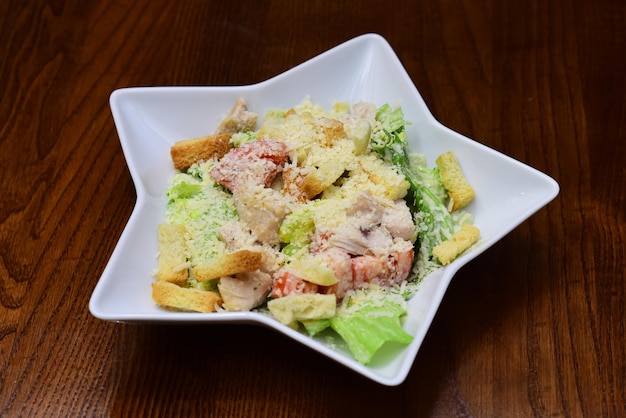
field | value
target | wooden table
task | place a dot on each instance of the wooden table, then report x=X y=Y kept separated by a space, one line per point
x=535 y=326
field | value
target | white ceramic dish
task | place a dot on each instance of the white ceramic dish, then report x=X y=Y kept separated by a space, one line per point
x=150 y=120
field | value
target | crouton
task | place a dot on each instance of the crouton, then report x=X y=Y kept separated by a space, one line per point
x=388 y=181
x=239 y=261
x=332 y=130
x=187 y=152
x=173 y=296
x=448 y=250
x=302 y=183
x=453 y=180
x=172 y=260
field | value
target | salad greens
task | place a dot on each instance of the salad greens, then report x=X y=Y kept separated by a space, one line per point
x=366 y=321
x=296 y=231
x=367 y=326
x=426 y=198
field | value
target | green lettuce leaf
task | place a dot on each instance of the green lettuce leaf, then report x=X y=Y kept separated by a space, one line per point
x=183 y=190
x=296 y=231
x=368 y=326
x=316 y=326
x=431 y=216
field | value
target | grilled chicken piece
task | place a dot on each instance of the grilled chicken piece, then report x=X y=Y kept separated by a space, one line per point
x=399 y=221
x=245 y=291
x=373 y=228
x=239 y=119
x=262 y=210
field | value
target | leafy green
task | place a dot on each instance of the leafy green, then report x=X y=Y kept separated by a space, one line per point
x=316 y=326
x=202 y=206
x=365 y=322
x=296 y=230
x=240 y=138
x=426 y=194
x=369 y=324
x=183 y=190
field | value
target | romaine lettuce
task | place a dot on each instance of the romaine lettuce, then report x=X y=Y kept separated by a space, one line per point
x=296 y=231
x=365 y=322
x=434 y=222
x=366 y=327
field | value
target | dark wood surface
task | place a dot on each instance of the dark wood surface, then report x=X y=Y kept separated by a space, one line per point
x=535 y=326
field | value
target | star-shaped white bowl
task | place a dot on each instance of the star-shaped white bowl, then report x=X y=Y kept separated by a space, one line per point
x=150 y=119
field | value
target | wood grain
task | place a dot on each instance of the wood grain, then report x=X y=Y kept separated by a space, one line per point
x=535 y=326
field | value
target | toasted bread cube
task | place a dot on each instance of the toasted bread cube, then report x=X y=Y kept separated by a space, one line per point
x=453 y=180
x=332 y=130
x=239 y=261
x=172 y=259
x=173 y=296
x=187 y=152
x=390 y=183
x=328 y=172
x=448 y=250
x=302 y=183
